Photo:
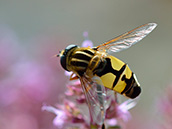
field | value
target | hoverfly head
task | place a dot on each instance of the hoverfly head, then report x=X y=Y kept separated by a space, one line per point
x=64 y=54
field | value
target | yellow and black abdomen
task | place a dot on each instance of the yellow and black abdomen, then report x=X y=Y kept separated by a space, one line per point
x=117 y=76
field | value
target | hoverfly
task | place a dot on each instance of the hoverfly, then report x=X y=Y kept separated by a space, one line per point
x=97 y=69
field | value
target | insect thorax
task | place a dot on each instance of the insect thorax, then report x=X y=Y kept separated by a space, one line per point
x=86 y=60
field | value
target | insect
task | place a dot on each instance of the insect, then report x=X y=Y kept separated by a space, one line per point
x=97 y=68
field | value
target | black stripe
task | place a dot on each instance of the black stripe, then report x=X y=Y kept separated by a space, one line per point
x=107 y=69
x=129 y=83
x=89 y=52
x=79 y=63
x=82 y=56
x=118 y=75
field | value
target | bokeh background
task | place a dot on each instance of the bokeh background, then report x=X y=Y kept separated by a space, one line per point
x=32 y=31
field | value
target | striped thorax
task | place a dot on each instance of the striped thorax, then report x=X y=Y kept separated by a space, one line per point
x=79 y=60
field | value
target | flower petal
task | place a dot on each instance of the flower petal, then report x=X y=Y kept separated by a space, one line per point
x=127 y=105
x=87 y=43
x=112 y=122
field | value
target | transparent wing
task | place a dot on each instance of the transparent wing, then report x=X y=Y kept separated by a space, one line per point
x=128 y=39
x=95 y=95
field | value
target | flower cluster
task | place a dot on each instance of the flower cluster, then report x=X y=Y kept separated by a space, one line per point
x=66 y=114
x=71 y=112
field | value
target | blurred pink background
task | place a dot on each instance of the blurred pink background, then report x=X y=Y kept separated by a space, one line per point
x=27 y=82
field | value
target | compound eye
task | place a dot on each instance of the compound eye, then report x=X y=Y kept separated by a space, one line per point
x=68 y=48
x=64 y=54
x=63 y=61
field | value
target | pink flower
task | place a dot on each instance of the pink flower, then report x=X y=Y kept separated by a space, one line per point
x=123 y=109
x=67 y=73
x=112 y=122
x=74 y=89
x=66 y=114
x=119 y=111
x=60 y=118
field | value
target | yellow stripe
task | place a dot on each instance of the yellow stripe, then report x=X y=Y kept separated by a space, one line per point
x=84 y=53
x=120 y=86
x=128 y=72
x=91 y=50
x=79 y=60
